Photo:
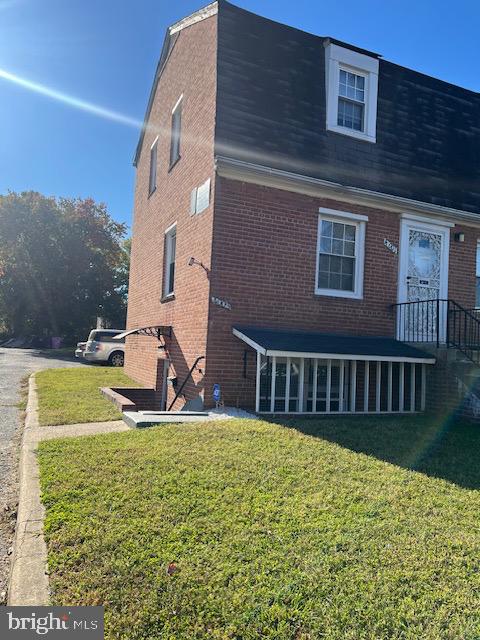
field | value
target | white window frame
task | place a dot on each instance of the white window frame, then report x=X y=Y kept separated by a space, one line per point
x=152 y=175
x=337 y=58
x=169 y=287
x=359 y=222
x=178 y=106
x=200 y=198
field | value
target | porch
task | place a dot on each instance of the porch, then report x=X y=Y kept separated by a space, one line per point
x=313 y=373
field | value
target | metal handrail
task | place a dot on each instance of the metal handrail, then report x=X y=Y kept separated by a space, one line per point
x=192 y=369
x=440 y=321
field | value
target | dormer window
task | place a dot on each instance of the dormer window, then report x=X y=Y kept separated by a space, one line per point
x=351 y=89
x=351 y=101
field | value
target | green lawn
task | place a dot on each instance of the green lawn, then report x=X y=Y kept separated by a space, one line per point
x=289 y=532
x=68 y=396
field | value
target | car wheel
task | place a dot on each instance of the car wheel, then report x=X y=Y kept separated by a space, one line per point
x=116 y=359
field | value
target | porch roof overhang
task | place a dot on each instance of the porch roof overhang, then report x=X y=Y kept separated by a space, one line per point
x=303 y=344
x=153 y=331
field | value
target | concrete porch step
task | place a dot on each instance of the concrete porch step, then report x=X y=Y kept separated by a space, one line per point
x=140 y=419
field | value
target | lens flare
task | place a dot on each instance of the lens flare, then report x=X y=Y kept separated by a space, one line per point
x=69 y=100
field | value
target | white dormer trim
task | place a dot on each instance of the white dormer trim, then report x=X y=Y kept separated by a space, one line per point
x=337 y=58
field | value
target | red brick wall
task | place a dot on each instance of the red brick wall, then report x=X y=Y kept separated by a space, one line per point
x=264 y=264
x=263 y=256
x=462 y=264
x=190 y=71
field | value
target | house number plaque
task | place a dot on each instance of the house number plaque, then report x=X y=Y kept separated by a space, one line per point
x=390 y=246
x=221 y=303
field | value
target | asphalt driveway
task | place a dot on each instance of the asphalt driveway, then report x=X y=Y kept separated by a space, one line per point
x=15 y=364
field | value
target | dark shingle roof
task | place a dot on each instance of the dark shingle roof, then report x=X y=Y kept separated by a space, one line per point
x=271 y=110
x=293 y=341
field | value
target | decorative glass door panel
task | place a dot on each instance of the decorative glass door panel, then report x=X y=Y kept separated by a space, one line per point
x=424 y=265
x=423 y=275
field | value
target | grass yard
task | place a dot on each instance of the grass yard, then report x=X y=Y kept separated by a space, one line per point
x=70 y=396
x=247 y=529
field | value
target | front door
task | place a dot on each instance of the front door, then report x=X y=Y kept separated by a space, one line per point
x=423 y=279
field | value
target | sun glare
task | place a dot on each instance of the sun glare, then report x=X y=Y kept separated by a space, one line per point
x=83 y=105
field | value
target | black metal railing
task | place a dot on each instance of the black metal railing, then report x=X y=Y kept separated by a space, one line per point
x=187 y=377
x=440 y=322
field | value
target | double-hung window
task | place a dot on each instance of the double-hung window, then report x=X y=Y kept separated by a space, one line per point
x=340 y=254
x=176 y=132
x=351 y=89
x=351 y=101
x=170 y=251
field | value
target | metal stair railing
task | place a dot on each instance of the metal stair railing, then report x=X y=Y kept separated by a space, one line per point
x=440 y=322
x=187 y=377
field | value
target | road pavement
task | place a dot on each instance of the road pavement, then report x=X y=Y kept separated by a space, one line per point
x=15 y=365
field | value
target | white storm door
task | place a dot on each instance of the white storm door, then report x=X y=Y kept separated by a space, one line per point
x=423 y=276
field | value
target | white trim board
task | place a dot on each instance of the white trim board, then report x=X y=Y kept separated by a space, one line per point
x=347 y=356
x=414 y=218
x=298 y=183
x=343 y=214
x=338 y=413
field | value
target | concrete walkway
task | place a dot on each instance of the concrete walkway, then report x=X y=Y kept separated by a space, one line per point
x=29 y=580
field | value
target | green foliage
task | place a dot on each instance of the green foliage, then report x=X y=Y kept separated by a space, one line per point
x=61 y=262
x=245 y=530
x=71 y=396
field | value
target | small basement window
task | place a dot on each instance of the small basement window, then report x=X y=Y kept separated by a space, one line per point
x=340 y=254
x=170 y=251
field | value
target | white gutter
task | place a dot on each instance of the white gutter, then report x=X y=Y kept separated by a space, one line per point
x=288 y=181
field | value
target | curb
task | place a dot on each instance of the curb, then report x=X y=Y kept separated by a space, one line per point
x=28 y=582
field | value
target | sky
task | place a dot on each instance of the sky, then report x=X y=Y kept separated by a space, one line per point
x=75 y=76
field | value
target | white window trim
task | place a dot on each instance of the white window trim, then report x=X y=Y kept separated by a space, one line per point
x=196 y=206
x=168 y=253
x=359 y=221
x=150 y=190
x=178 y=105
x=337 y=58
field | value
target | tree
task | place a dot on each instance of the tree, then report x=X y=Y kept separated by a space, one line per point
x=60 y=265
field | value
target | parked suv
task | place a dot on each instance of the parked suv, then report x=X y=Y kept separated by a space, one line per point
x=101 y=347
x=80 y=350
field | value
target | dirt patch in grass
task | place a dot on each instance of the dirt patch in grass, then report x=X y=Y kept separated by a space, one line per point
x=247 y=529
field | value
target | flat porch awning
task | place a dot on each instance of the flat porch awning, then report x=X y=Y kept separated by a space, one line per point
x=300 y=344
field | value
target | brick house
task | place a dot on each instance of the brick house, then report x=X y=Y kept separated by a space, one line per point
x=305 y=212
